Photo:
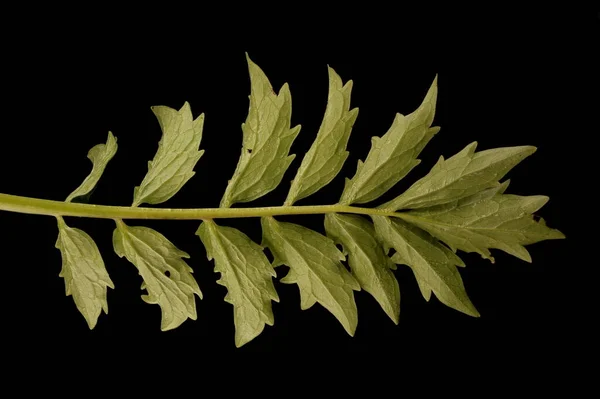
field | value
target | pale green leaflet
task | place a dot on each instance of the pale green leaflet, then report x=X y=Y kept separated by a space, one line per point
x=460 y=205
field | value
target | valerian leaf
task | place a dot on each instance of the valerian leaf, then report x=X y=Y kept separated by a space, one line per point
x=100 y=155
x=267 y=139
x=327 y=155
x=177 y=154
x=84 y=272
x=394 y=155
x=397 y=258
x=167 y=278
x=495 y=189
x=247 y=275
x=460 y=176
x=423 y=287
x=367 y=259
x=83 y=269
x=502 y=222
x=432 y=263
x=315 y=265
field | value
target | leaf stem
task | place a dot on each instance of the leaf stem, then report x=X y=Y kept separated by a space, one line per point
x=36 y=206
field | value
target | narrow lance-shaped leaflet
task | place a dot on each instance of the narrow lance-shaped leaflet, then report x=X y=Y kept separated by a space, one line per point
x=487 y=193
x=367 y=260
x=83 y=270
x=327 y=154
x=433 y=264
x=177 y=154
x=421 y=283
x=393 y=155
x=397 y=258
x=460 y=176
x=483 y=222
x=267 y=139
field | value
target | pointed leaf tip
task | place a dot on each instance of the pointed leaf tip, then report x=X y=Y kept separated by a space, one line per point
x=434 y=265
x=155 y=256
x=486 y=220
x=267 y=139
x=100 y=155
x=248 y=278
x=84 y=273
x=315 y=267
x=462 y=175
x=178 y=152
x=393 y=156
x=367 y=259
x=327 y=155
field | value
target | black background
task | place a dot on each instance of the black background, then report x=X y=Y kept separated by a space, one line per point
x=505 y=78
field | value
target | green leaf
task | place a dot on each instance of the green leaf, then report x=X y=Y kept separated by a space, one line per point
x=327 y=155
x=368 y=262
x=394 y=155
x=315 y=265
x=460 y=176
x=84 y=272
x=423 y=287
x=495 y=189
x=100 y=155
x=267 y=139
x=503 y=222
x=83 y=269
x=247 y=274
x=167 y=278
x=175 y=158
x=433 y=264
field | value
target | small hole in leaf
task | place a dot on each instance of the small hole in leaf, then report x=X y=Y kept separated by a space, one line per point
x=168 y=273
x=249 y=151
